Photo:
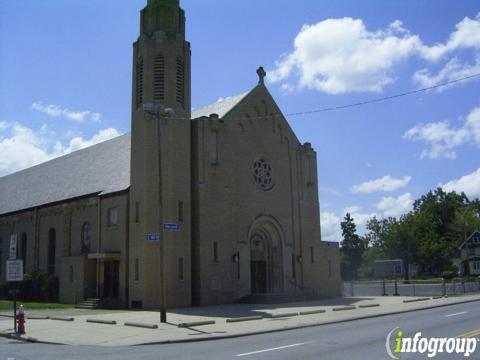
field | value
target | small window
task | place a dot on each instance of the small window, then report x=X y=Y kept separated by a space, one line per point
x=329 y=268
x=23 y=250
x=180 y=211
x=71 y=274
x=215 y=252
x=312 y=255
x=137 y=212
x=293 y=266
x=137 y=270
x=112 y=217
x=180 y=269
x=52 y=240
x=86 y=238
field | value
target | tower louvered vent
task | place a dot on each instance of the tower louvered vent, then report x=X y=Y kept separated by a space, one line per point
x=180 y=83
x=159 y=78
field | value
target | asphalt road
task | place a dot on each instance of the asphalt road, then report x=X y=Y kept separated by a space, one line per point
x=360 y=339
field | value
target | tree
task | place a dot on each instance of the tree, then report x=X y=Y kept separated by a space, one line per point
x=353 y=247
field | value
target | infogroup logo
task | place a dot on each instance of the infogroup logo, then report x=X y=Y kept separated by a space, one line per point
x=430 y=346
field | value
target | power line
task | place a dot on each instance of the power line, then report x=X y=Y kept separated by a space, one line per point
x=340 y=107
x=361 y=103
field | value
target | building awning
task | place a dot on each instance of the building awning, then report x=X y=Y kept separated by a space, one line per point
x=113 y=256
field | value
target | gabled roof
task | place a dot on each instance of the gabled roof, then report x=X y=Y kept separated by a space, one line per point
x=100 y=169
x=475 y=233
x=222 y=107
x=97 y=170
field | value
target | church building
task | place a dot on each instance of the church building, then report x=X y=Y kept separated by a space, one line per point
x=191 y=208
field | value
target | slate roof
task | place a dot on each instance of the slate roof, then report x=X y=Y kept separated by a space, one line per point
x=221 y=107
x=100 y=169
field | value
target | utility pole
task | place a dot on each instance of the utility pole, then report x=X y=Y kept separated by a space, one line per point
x=159 y=113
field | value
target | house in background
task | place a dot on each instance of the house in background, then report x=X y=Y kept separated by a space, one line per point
x=467 y=259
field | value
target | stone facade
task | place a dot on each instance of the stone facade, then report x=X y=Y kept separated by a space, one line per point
x=233 y=178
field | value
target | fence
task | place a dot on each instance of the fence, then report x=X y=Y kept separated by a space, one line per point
x=412 y=288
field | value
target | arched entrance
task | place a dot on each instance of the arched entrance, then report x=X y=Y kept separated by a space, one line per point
x=266 y=256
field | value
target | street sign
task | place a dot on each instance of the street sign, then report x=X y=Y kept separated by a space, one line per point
x=153 y=237
x=171 y=227
x=13 y=247
x=14 y=270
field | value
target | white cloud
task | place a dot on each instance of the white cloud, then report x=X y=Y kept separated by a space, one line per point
x=360 y=218
x=442 y=139
x=466 y=35
x=454 y=69
x=22 y=147
x=469 y=184
x=3 y=125
x=385 y=183
x=58 y=111
x=330 y=226
x=341 y=55
x=78 y=142
x=395 y=206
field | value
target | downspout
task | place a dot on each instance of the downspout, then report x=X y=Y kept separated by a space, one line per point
x=99 y=247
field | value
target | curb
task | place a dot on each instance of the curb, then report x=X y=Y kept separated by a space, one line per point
x=362 y=317
x=62 y=318
x=27 y=339
x=221 y=337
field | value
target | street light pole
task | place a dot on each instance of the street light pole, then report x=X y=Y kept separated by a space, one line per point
x=159 y=113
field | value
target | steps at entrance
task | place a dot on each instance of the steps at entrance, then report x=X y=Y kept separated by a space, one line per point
x=277 y=298
x=89 y=304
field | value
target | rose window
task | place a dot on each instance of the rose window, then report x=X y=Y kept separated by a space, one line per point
x=263 y=174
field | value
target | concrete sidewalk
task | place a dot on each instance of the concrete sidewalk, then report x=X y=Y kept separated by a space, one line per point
x=75 y=327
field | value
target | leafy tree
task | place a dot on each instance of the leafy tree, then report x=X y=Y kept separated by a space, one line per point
x=353 y=247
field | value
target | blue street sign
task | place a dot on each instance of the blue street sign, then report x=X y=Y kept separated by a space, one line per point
x=153 y=237
x=171 y=227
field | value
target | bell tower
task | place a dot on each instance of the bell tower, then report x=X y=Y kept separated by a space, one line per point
x=160 y=201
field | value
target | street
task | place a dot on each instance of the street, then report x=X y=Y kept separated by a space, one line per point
x=359 y=339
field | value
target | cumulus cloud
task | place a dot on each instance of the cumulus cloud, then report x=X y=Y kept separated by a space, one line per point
x=359 y=217
x=396 y=206
x=469 y=184
x=57 y=111
x=341 y=55
x=442 y=139
x=330 y=225
x=386 y=183
x=454 y=69
x=22 y=147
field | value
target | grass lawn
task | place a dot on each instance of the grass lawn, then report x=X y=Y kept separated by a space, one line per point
x=8 y=305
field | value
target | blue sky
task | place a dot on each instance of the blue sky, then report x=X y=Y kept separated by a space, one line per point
x=65 y=83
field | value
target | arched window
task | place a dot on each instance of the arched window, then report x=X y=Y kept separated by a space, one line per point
x=180 y=83
x=51 y=251
x=139 y=82
x=159 y=78
x=86 y=238
x=23 y=250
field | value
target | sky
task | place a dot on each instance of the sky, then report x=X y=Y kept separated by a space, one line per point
x=65 y=83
